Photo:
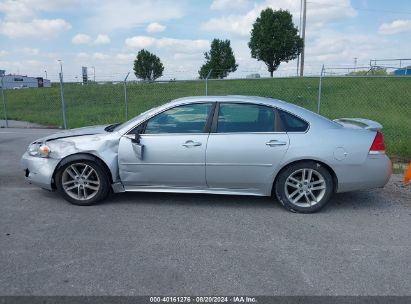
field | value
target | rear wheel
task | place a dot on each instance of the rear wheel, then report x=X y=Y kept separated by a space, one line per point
x=83 y=182
x=304 y=187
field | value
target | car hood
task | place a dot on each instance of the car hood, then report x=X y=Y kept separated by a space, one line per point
x=75 y=132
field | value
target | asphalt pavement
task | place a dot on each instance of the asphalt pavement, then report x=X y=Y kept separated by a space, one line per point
x=178 y=244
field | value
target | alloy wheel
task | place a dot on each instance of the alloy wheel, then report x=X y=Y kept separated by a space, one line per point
x=80 y=181
x=305 y=187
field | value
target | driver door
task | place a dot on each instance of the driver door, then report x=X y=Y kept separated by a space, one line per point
x=174 y=146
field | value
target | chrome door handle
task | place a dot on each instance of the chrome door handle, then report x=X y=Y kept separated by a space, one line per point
x=273 y=143
x=190 y=144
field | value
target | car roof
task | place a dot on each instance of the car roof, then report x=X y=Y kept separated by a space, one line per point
x=230 y=99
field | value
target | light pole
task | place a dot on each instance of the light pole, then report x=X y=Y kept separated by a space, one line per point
x=61 y=67
x=303 y=37
x=299 y=34
x=63 y=105
x=94 y=73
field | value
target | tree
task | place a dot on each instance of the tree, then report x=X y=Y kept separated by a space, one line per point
x=274 y=39
x=220 y=60
x=148 y=66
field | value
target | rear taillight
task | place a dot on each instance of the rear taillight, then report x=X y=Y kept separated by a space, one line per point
x=378 y=144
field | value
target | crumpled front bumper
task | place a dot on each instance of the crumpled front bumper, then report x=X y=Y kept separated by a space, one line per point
x=39 y=171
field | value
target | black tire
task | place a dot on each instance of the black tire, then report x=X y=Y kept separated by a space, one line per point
x=304 y=194
x=99 y=175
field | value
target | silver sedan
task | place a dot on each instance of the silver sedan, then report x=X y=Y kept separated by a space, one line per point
x=221 y=145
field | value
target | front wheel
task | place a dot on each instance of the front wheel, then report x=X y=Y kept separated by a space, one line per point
x=82 y=182
x=304 y=187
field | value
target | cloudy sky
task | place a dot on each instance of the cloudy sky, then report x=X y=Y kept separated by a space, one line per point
x=107 y=35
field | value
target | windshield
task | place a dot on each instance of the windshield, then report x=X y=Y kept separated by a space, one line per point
x=118 y=126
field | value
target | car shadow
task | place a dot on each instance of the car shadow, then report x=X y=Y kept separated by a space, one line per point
x=359 y=200
x=372 y=200
x=202 y=200
x=341 y=201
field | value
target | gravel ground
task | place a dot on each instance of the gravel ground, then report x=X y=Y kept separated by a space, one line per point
x=175 y=244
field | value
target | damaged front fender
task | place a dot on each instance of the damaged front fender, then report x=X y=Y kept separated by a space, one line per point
x=103 y=147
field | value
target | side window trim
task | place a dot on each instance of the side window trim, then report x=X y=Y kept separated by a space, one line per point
x=278 y=124
x=210 y=118
x=215 y=118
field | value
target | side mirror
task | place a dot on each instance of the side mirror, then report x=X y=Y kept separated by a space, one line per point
x=136 y=138
x=137 y=134
x=137 y=147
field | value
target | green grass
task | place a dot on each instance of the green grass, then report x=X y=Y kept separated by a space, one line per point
x=384 y=99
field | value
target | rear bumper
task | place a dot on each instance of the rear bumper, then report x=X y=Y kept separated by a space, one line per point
x=375 y=172
x=39 y=171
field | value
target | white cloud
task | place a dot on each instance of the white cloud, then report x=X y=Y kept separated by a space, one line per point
x=177 y=45
x=155 y=27
x=102 y=39
x=116 y=58
x=15 y=10
x=100 y=56
x=126 y=14
x=81 y=39
x=182 y=58
x=87 y=39
x=140 y=42
x=21 y=18
x=23 y=67
x=125 y=57
x=39 y=28
x=30 y=51
x=27 y=9
x=93 y=56
x=228 y=4
x=318 y=13
x=235 y=24
x=395 y=27
x=334 y=48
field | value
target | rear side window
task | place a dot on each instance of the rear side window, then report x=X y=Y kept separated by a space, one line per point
x=292 y=123
x=236 y=117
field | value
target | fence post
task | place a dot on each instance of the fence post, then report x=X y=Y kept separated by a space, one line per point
x=63 y=104
x=206 y=82
x=125 y=97
x=4 y=102
x=319 y=90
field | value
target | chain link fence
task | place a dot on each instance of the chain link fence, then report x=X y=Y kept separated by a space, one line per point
x=28 y=103
x=386 y=99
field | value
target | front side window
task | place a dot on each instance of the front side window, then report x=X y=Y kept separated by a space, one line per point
x=190 y=118
x=236 y=117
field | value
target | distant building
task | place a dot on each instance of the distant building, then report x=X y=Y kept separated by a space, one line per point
x=403 y=71
x=22 y=82
x=253 y=76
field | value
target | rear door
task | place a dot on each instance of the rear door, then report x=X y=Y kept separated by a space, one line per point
x=245 y=147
